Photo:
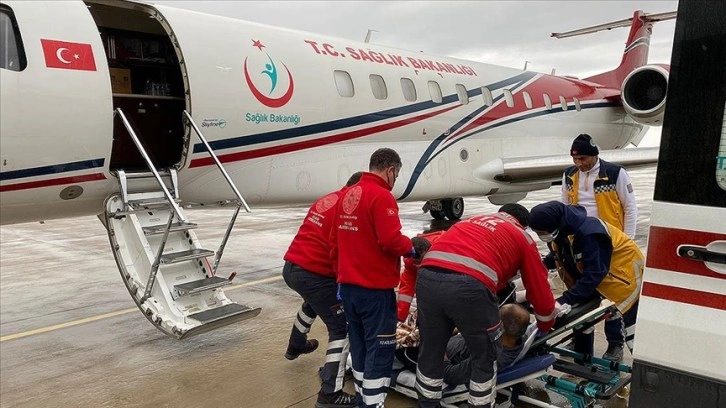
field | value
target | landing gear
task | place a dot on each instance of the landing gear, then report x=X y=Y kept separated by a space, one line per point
x=437 y=214
x=451 y=208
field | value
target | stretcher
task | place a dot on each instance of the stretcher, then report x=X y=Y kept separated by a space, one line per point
x=581 y=380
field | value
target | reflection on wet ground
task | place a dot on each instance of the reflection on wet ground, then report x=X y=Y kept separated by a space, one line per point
x=70 y=335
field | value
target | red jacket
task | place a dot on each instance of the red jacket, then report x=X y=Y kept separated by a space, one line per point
x=310 y=249
x=407 y=288
x=367 y=241
x=492 y=248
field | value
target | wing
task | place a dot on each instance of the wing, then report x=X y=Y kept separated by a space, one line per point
x=539 y=169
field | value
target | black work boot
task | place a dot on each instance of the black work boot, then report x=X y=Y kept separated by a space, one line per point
x=293 y=353
x=340 y=399
x=614 y=353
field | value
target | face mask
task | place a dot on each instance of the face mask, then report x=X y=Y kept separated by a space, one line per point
x=549 y=237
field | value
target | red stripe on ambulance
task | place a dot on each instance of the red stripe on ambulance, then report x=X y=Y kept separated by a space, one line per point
x=689 y=296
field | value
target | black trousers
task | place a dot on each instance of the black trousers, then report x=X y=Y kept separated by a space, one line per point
x=447 y=300
x=319 y=299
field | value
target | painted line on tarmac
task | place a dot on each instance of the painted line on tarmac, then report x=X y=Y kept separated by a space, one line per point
x=112 y=314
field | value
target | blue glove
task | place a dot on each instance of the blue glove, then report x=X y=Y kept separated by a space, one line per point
x=540 y=334
x=337 y=295
x=411 y=253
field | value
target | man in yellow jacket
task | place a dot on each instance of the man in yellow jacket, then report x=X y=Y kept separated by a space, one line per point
x=605 y=190
x=597 y=260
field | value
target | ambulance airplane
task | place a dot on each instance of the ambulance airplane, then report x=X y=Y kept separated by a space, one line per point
x=289 y=114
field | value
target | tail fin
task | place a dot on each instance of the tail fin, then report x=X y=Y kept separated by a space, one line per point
x=635 y=54
x=636 y=48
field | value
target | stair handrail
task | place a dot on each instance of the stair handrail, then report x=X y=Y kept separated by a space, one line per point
x=216 y=160
x=149 y=163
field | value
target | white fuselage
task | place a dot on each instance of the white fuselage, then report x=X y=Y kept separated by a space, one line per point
x=58 y=124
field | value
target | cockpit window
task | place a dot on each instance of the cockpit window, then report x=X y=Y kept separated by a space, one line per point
x=721 y=158
x=12 y=54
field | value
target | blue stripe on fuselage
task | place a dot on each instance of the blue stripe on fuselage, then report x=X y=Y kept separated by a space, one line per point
x=54 y=169
x=284 y=134
x=425 y=160
x=429 y=153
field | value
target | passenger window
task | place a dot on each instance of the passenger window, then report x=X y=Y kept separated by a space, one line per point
x=547 y=101
x=344 y=84
x=409 y=89
x=577 y=104
x=487 y=95
x=527 y=99
x=463 y=95
x=12 y=54
x=378 y=86
x=563 y=103
x=509 y=98
x=721 y=158
x=435 y=92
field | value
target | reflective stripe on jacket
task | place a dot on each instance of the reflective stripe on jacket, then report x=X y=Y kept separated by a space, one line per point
x=492 y=249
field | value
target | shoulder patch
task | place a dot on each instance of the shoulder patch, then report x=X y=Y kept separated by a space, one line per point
x=391 y=212
x=630 y=188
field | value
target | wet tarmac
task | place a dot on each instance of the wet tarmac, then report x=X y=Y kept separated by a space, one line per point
x=70 y=335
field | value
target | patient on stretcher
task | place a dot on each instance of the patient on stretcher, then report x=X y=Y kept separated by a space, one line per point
x=457 y=369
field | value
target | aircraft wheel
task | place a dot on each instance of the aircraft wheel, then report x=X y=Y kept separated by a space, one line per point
x=437 y=214
x=453 y=208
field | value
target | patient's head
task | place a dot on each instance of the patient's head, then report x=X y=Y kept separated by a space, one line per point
x=422 y=246
x=515 y=320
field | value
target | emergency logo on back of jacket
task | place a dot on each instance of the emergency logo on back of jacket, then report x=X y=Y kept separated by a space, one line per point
x=351 y=199
x=326 y=203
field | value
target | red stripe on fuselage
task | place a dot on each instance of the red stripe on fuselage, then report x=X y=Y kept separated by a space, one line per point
x=53 y=182
x=553 y=86
x=681 y=295
x=307 y=144
x=663 y=250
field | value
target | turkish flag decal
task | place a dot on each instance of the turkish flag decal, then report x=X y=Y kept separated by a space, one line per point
x=68 y=55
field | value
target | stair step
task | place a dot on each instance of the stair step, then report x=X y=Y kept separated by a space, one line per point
x=160 y=228
x=182 y=256
x=220 y=316
x=146 y=174
x=156 y=202
x=201 y=285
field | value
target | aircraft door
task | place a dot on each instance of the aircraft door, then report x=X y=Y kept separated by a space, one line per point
x=147 y=84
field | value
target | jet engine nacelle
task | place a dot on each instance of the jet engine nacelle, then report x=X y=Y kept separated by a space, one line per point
x=644 y=94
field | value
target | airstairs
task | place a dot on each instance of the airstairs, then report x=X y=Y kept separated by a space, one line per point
x=161 y=260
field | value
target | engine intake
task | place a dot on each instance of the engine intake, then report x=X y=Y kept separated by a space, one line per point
x=644 y=94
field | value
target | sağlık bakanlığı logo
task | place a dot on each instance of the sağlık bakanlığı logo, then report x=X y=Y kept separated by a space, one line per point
x=271 y=72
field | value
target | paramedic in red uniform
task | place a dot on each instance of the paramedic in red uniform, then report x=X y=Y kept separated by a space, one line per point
x=309 y=271
x=368 y=245
x=407 y=288
x=456 y=287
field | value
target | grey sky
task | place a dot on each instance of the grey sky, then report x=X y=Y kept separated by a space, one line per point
x=497 y=32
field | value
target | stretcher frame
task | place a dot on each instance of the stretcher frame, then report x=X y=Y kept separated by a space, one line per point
x=547 y=354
